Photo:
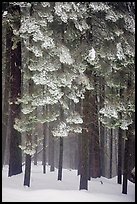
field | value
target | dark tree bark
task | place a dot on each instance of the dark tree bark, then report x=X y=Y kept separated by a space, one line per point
x=60 y=159
x=94 y=148
x=52 y=153
x=29 y=140
x=5 y=109
x=128 y=139
x=101 y=128
x=111 y=153
x=119 y=178
x=126 y=166
x=49 y=149
x=89 y=159
x=61 y=117
x=78 y=108
x=36 y=151
x=76 y=152
x=79 y=153
x=84 y=144
x=120 y=147
x=44 y=148
x=15 y=160
x=84 y=162
x=27 y=170
x=131 y=175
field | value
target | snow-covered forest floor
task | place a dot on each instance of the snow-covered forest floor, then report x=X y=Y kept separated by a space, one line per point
x=46 y=188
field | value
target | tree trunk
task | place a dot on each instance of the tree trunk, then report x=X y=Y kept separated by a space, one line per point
x=128 y=139
x=36 y=151
x=49 y=149
x=101 y=128
x=120 y=145
x=84 y=144
x=111 y=153
x=119 y=178
x=5 y=109
x=60 y=159
x=52 y=153
x=27 y=170
x=125 y=167
x=15 y=160
x=94 y=133
x=84 y=162
x=44 y=148
x=90 y=156
x=79 y=153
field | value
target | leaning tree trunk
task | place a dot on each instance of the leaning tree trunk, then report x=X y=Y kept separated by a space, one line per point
x=15 y=159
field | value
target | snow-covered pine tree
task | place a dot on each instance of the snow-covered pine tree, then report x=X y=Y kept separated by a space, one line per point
x=115 y=51
x=47 y=53
x=113 y=30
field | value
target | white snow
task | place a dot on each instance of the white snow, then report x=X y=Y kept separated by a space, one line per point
x=92 y=54
x=5 y=13
x=61 y=130
x=109 y=111
x=46 y=188
x=120 y=53
x=65 y=56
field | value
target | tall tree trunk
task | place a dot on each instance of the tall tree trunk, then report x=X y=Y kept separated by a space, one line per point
x=90 y=156
x=52 y=154
x=78 y=108
x=28 y=89
x=15 y=160
x=111 y=153
x=119 y=178
x=84 y=144
x=36 y=151
x=120 y=145
x=94 y=133
x=101 y=128
x=128 y=139
x=79 y=153
x=61 y=116
x=27 y=170
x=84 y=162
x=44 y=148
x=29 y=140
x=5 y=105
x=60 y=159
x=125 y=167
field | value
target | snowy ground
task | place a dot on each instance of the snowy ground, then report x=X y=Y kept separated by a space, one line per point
x=46 y=188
